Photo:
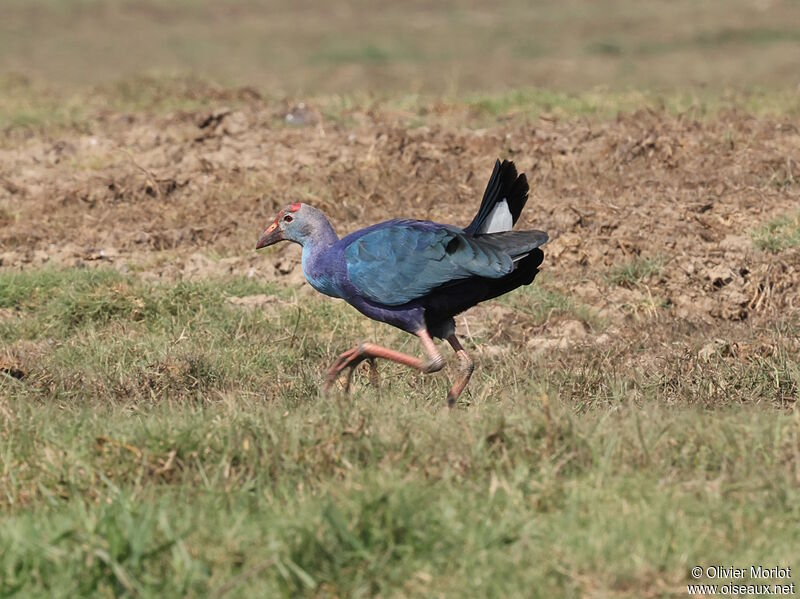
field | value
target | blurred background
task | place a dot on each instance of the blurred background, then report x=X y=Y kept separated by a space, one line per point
x=285 y=47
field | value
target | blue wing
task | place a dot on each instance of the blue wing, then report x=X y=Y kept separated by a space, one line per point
x=405 y=260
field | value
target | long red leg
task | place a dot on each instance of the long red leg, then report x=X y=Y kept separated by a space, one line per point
x=369 y=351
x=465 y=368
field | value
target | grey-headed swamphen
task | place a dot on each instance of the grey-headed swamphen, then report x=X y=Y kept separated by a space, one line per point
x=416 y=275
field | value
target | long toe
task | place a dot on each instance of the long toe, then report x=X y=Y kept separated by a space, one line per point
x=329 y=380
x=374 y=380
x=349 y=380
x=349 y=359
x=353 y=365
x=465 y=369
x=332 y=374
x=371 y=351
x=465 y=372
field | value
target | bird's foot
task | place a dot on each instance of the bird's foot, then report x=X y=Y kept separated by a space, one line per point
x=349 y=359
x=465 y=369
x=370 y=351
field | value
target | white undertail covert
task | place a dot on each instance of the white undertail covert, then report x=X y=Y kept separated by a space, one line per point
x=499 y=219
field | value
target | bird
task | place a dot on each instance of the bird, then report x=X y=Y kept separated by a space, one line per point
x=417 y=275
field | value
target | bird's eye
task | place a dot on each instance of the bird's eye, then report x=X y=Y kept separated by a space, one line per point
x=287 y=219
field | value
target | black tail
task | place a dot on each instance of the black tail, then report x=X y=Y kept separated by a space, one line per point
x=504 y=184
x=525 y=272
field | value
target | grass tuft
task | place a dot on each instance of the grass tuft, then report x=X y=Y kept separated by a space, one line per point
x=779 y=234
x=636 y=271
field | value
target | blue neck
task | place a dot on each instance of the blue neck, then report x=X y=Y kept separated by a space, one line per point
x=318 y=271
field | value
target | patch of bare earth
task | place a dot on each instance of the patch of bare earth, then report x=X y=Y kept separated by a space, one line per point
x=187 y=195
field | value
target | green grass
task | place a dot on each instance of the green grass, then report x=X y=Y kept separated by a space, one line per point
x=165 y=442
x=542 y=302
x=26 y=106
x=634 y=272
x=23 y=105
x=605 y=103
x=779 y=234
x=439 y=48
x=364 y=52
x=367 y=498
x=757 y=36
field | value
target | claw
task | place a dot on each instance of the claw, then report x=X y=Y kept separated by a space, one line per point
x=349 y=379
x=373 y=373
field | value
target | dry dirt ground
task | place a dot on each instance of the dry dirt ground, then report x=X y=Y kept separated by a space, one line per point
x=650 y=215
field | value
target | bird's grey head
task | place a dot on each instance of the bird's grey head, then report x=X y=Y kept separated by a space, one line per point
x=297 y=222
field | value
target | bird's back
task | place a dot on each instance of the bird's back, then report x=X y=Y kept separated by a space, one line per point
x=404 y=264
x=401 y=261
